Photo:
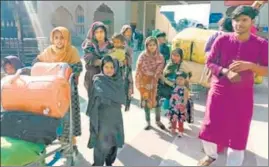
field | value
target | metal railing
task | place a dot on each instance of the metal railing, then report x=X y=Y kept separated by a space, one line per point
x=27 y=51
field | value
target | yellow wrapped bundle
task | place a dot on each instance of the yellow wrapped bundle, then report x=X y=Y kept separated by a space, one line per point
x=192 y=41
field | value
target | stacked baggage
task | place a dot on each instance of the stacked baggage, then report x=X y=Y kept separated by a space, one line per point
x=32 y=109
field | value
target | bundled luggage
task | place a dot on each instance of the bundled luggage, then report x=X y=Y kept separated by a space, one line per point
x=29 y=126
x=192 y=41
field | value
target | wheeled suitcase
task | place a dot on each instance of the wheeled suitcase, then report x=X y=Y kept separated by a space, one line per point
x=29 y=126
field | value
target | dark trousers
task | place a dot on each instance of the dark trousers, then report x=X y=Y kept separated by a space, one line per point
x=104 y=155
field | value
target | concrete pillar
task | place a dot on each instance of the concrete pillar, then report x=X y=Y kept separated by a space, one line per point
x=140 y=15
x=144 y=17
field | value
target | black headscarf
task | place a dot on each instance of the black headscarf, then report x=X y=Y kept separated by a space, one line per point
x=107 y=87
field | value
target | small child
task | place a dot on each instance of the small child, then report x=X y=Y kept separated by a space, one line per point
x=119 y=51
x=178 y=102
x=12 y=65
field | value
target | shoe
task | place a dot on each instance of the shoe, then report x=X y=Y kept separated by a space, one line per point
x=148 y=127
x=180 y=134
x=191 y=121
x=127 y=109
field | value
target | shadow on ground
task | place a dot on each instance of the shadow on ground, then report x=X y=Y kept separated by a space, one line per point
x=125 y=157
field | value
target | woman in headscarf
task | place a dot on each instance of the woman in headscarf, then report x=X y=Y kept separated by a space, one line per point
x=61 y=50
x=95 y=46
x=106 y=123
x=126 y=31
x=148 y=72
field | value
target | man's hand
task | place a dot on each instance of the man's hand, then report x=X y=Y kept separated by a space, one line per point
x=233 y=76
x=224 y=71
x=239 y=66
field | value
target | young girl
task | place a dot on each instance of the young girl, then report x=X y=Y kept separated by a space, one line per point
x=126 y=31
x=106 y=123
x=61 y=50
x=149 y=69
x=95 y=46
x=173 y=65
x=11 y=64
x=178 y=104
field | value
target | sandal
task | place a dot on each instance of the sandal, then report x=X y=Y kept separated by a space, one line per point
x=206 y=161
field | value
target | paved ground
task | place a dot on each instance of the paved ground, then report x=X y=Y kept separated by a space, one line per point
x=159 y=148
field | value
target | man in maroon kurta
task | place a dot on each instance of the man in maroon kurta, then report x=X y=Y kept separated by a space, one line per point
x=233 y=60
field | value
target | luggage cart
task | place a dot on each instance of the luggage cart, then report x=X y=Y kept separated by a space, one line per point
x=63 y=149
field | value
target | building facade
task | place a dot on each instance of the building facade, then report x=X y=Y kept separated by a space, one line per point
x=77 y=16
